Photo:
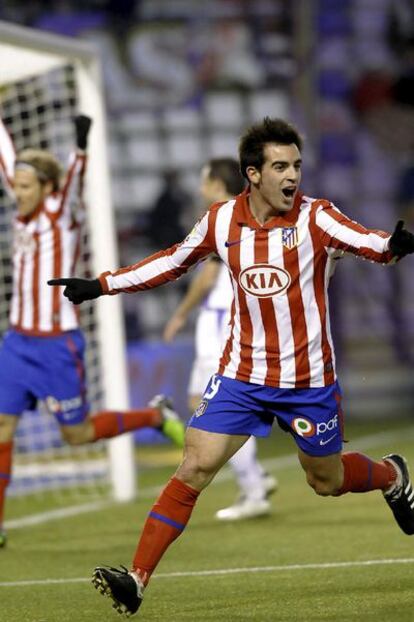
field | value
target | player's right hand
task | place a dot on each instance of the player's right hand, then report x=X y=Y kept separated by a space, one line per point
x=79 y=290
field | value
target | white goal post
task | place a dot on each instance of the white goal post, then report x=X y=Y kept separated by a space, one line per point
x=25 y=53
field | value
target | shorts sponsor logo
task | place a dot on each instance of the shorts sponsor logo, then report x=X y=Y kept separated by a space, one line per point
x=303 y=426
x=201 y=408
x=329 y=426
x=63 y=406
x=264 y=280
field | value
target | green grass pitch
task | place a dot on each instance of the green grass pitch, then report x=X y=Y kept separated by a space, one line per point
x=307 y=562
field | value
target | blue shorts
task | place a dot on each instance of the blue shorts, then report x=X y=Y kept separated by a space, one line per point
x=50 y=369
x=312 y=416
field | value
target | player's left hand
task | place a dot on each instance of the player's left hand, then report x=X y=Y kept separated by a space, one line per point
x=79 y=290
x=402 y=241
x=82 y=127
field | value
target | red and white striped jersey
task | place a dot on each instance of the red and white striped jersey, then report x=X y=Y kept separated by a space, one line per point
x=45 y=246
x=280 y=334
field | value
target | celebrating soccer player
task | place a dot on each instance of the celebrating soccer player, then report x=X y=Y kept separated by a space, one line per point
x=279 y=246
x=42 y=355
x=220 y=181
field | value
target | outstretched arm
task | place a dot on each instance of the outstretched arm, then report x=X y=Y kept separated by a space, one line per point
x=338 y=232
x=72 y=191
x=199 y=287
x=153 y=271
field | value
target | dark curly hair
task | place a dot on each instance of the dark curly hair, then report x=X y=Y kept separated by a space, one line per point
x=256 y=137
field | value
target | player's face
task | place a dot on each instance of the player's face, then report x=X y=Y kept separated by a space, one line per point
x=211 y=190
x=278 y=180
x=29 y=191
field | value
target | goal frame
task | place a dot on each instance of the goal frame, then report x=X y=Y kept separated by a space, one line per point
x=25 y=52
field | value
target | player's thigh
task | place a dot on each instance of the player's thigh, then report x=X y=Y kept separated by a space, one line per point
x=205 y=453
x=17 y=371
x=314 y=418
x=8 y=425
x=79 y=433
x=232 y=407
x=63 y=386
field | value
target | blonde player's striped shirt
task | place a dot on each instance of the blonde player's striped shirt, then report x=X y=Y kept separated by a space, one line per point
x=45 y=246
x=280 y=334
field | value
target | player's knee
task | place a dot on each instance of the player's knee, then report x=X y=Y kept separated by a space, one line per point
x=75 y=436
x=196 y=473
x=323 y=485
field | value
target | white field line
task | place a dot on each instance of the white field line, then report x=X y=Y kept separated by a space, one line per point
x=228 y=571
x=272 y=464
x=44 y=517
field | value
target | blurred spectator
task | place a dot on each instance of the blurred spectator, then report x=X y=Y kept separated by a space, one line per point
x=164 y=219
x=403 y=91
x=400 y=25
x=374 y=89
x=66 y=18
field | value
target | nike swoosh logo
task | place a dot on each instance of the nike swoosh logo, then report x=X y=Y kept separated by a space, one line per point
x=328 y=440
x=227 y=243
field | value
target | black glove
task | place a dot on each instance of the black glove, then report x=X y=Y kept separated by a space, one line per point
x=79 y=290
x=82 y=127
x=401 y=241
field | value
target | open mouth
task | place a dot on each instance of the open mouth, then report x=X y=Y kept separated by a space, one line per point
x=289 y=192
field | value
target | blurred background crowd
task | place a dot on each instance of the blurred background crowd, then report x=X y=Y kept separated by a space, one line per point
x=183 y=78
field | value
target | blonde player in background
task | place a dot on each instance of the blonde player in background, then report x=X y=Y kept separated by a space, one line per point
x=42 y=354
x=278 y=363
x=220 y=180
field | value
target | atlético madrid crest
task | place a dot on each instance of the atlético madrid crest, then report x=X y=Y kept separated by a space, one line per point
x=290 y=237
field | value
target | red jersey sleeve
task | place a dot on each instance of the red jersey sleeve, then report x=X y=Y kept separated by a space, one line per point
x=69 y=201
x=338 y=232
x=166 y=265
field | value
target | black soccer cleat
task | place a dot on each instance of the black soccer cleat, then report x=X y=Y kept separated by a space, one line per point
x=401 y=496
x=3 y=539
x=126 y=592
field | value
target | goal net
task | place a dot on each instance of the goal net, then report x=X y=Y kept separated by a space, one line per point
x=47 y=81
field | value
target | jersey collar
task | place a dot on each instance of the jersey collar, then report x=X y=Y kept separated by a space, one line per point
x=33 y=215
x=246 y=218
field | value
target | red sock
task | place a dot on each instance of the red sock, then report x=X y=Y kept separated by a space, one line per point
x=111 y=423
x=6 y=451
x=166 y=521
x=362 y=474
